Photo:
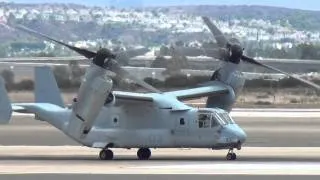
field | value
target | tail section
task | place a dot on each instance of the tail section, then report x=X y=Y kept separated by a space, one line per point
x=5 y=104
x=91 y=96
x=46 y=88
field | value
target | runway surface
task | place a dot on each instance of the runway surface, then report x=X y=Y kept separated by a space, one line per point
x=280 y=142
x=82 y=160
x=153 y=177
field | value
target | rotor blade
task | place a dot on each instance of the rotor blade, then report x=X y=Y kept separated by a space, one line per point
x=218 y=35
x=122 y=73
x=253 y=61
x=88 y=54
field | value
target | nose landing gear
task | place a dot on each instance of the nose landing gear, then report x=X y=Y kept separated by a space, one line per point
x=231 y=155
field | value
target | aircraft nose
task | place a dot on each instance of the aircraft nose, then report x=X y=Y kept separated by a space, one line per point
x=241 y=135
x=236 y=133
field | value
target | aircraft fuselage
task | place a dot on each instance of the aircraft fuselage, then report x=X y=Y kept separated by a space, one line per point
x=135 y=126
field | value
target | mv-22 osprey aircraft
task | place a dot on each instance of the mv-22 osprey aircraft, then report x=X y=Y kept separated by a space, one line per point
x=102 y=118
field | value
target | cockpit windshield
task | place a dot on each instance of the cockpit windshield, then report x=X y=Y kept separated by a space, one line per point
x=226 y=118
x=207 y=120
x=210 y=119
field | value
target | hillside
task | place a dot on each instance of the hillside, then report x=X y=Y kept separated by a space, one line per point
x=264 y=31
x=299 y=19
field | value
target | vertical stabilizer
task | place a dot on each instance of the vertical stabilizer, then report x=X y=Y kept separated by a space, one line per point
x=46 y=88
x=5 y=104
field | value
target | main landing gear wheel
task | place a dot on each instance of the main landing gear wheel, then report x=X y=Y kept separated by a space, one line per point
x=144 y=153
x=231 y=155
x=106 y=154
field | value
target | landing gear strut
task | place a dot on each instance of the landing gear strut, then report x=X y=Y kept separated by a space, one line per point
x=144 y=153
x=231 y=155
x=106 y=154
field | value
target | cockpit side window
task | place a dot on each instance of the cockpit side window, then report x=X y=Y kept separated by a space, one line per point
x=214 y=122
x=204 y=120
x=213 y=118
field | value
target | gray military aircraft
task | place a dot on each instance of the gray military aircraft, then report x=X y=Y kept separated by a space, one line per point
x=102 y=118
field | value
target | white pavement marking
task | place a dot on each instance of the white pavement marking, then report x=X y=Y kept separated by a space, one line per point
x=284 y=129
x=294 y=113
x=276 y=110
x=22 y=114
x=276 y=114
x=229 y=168
x=260 y=168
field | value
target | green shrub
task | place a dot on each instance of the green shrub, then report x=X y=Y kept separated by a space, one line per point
x=8 y=77
x=154 y=82
x=24 y=85
x=62 y=75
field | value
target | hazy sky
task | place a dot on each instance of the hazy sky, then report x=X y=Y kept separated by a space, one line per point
x=298 y=4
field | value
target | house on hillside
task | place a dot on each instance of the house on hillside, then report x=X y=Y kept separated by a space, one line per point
x=73 y=15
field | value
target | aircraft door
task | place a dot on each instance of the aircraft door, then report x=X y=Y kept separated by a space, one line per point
x=181 y=131
x=207 y=127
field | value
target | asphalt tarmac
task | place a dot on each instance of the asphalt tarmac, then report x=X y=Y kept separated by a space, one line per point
x=153 y=177
x=83 y=160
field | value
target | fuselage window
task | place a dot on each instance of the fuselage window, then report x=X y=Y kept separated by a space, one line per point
x=115 y=120
x=182 y=122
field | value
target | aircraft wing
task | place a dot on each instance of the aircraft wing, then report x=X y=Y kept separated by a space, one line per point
x=165 y=101
x=120 y=95
x=212 y=89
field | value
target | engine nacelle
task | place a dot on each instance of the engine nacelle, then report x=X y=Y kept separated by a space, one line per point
x=92 y=95
x=224 y=101
x=234 y=79
x=92 y=99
